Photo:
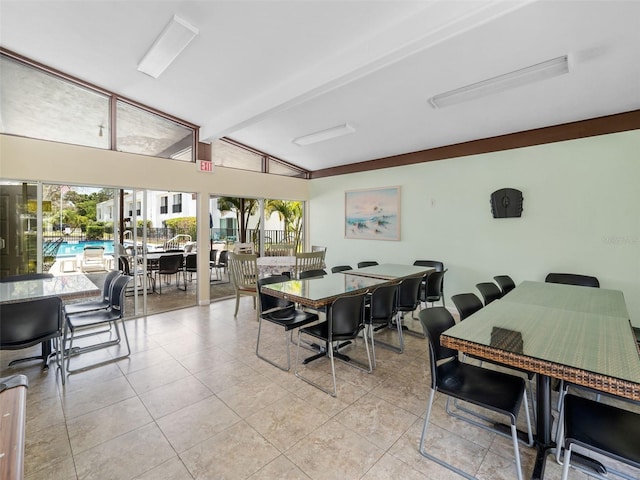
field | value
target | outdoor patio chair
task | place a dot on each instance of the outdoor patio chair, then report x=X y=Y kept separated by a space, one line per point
x=93 y=260
x=170 y=265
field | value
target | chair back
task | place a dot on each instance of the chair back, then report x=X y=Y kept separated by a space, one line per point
x=308 y=261
x=340 y=268
x=191 y=262
x=108 y=283
x=367 y=264
x=489 y=291
x=243 y=248
x=573 y=279
x=505 y=282
x=168 y=264
x=346 y=317
x=269 y=302
x=123 y=265
x=27 y=323
x=223 y=258
x=434 y=286
x=116 y=298
x=439 y=266
x=25 y=276
x=243 y=268
x=382 y=304
x=408 y=290
x=279 y=250
x=467 y=304
x=312 y=274
x=434 y=321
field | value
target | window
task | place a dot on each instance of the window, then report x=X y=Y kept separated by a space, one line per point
x=40 y=105
x=164 y=204
x=224 y=154
x=177 y=203
x=138 y=208
x=145 y=133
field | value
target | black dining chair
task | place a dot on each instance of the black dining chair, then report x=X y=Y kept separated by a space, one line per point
x=367 y=264
x=30 y=322
x=505 y=282
x=312 y=273
x=170 y=265
x=191 y=265
x=280 y=312
x=467 y=304
x=83 y=325
x=340 y=268
x=489 y=291
x=601 y=428
x=495 y=391
x=380 y=311
x=573 y=279
x=408 y=301
x=436 y=264
x=345 y=321
x=100 y=304
x=432 y=288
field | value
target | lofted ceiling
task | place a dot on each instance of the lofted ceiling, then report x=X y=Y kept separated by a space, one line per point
x=266 y=72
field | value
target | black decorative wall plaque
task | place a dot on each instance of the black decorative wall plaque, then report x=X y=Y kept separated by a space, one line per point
x=506 y=203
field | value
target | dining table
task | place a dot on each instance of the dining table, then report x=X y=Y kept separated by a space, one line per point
x=581 y=335
x=67 y=287
x=390 y=271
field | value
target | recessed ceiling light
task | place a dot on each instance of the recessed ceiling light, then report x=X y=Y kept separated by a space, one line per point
x=174 y=38
x=524 y=76
x=323 y=135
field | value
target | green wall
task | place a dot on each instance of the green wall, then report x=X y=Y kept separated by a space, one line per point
x=581 y=215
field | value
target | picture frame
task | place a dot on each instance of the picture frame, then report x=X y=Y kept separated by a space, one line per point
x=372 y=214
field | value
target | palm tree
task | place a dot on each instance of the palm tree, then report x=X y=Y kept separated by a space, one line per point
x=243 y=208
x=291 y=214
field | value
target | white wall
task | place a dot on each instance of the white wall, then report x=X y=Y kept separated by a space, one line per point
x=581 y=215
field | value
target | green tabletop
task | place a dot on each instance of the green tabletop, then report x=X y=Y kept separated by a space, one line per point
x=390 y=271
x=320 y=291
x=570 y=297
x=581 y=334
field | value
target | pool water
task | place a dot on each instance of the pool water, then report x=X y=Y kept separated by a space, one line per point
x=71 y=249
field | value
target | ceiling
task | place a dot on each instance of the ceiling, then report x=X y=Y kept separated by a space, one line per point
x=265 y=72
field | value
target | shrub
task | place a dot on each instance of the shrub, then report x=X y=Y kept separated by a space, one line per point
x=95 y=232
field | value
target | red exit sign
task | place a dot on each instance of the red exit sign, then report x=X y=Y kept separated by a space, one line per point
x=204 y=166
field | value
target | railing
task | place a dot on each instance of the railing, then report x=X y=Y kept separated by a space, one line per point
x=178 y=241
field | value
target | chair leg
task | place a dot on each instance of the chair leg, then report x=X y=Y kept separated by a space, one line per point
x=237 y=304
x=567 y=461
x=425 y=454
x=311 y=382
x=287 y=346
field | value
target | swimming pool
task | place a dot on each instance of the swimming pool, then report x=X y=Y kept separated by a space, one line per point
x=71 y=249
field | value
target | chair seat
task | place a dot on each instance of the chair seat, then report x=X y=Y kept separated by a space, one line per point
x=321 y=331
x=469 y=383
x=83 y=307
x=290 y=317
x=87 y=319
x=609 y=430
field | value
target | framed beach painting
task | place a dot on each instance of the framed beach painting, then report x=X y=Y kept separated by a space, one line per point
x=372 y=214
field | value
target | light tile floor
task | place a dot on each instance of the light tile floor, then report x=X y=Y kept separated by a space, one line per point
x=194 y=402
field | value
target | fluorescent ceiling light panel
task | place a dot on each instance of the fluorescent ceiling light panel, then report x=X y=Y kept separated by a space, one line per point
x=524 y=76
x=173 y=39
x=323 y=135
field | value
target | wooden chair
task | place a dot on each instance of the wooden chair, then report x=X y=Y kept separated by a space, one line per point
x=309 y=261
x=243 y=269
